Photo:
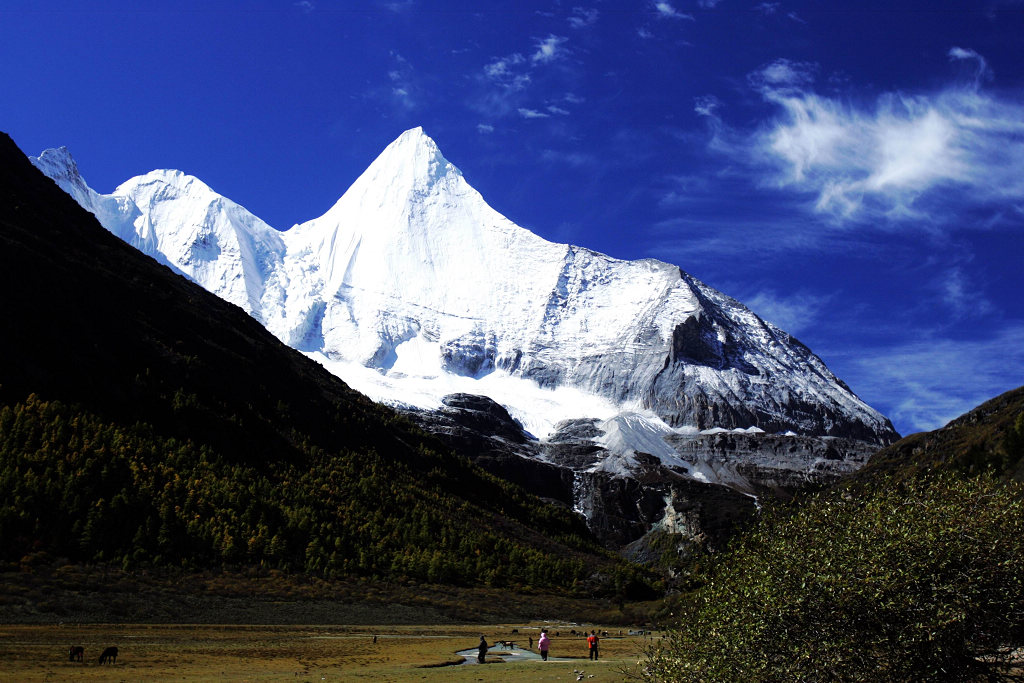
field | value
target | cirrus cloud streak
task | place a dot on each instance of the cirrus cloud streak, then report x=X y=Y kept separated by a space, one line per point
x=893 y=160
x=911 y=382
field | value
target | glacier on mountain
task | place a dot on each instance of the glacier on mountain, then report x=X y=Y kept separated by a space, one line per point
x=411 y=287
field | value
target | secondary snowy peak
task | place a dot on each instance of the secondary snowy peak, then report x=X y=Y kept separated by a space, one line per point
x=411 y=286
x=215 y=241
x=177 y=219
x=58 y=165
x=114 y=213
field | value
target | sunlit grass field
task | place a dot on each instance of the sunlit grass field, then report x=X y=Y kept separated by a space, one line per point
x=185 y=653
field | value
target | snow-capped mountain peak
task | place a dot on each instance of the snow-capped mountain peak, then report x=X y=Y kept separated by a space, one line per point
x=411 y=287
x=412 y=163
x=409 y=170
x=415 y=252
x=59 y=165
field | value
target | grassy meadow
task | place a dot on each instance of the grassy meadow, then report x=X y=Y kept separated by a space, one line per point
x=185 y=653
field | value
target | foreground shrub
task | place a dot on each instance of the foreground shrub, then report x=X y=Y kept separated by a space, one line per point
x=912 y=581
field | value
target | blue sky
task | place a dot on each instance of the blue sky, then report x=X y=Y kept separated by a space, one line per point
x=853 y=171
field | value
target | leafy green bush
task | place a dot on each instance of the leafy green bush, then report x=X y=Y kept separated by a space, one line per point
x=911 y=581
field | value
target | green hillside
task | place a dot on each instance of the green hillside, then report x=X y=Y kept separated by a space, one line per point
x=990 y=437
x=146 y=423
x=911 y=570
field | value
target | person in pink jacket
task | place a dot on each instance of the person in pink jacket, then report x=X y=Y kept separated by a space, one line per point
x=542 y=644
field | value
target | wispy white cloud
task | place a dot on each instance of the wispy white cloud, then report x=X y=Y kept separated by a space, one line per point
x=959 y=297
x=938 y=379
x=783 y=73
x=891 y=161
x=484 y=128
x=692 y=237
x=507 y=71
x=402 y=84
x=532 y=113
x=582 y=17
x=794 y=313
x=507 y=80
x=683 y=189
x=706 y=105
x=399 y=5
x=995 y=6
x=667 y=10
x=306 y=6
x=955 y=293
x=980 y=72
x=964 y=53
x=576 y=159
x=403 y=96
x=548 y=49
x=708 y=4
x=767 y=8
x=503 y=81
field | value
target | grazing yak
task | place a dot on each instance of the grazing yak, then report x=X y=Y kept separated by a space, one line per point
x=76 y=653
x=109 y=656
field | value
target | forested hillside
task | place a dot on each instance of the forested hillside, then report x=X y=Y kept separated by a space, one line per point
x=145 y=422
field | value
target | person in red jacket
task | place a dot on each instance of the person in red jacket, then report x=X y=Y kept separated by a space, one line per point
x=592 y=641
x=543 y=645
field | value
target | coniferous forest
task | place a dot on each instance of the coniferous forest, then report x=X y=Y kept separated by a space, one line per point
x=98 y=492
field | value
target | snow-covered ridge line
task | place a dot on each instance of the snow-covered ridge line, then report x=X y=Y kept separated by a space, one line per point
x=411 y=287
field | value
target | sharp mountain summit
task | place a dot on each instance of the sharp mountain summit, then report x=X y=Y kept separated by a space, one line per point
x=628 y=390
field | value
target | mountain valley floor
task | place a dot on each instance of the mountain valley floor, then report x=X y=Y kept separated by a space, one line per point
x=191 y=652
x=271 y=626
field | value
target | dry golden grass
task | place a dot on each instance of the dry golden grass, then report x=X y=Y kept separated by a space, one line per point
x=186 y=653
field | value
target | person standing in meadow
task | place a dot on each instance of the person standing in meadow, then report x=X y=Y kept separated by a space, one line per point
x=482 y=655
x=543 y=643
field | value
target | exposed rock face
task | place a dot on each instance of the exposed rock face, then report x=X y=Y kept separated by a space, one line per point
x=483 y=431
x=624 y=510
x=630 y=498
x=771 y=464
